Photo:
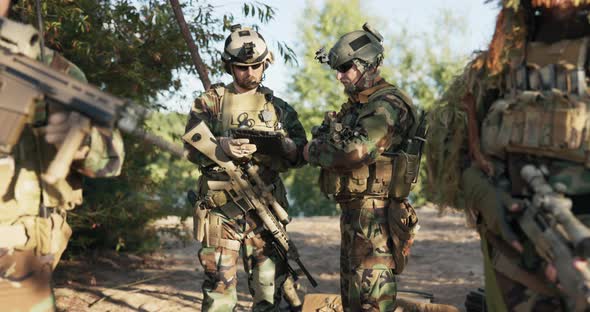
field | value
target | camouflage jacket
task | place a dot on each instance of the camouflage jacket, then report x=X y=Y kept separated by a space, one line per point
x=21 y=185
x=207 y=108
x=365 y=127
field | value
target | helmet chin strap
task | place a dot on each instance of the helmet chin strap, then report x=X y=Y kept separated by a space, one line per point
x=365 y=81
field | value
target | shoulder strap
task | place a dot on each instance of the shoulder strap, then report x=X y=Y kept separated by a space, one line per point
x=217 y=90
x=391 y=93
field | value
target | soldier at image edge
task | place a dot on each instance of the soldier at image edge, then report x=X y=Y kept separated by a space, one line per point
x=33 y=227
x=243 y=106
x=520 y=168
x=366 y=166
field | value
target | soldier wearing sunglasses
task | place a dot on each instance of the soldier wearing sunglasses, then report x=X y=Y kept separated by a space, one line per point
x=243 y=107
x=360 y=150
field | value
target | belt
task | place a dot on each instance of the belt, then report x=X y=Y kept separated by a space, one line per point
x=360 y=203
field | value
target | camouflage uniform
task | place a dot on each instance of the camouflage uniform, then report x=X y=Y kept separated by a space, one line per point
x=358 y=174
x=42 y=233
x=230 y=231
x=523 y=93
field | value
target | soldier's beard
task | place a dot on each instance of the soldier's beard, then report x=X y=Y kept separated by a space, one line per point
x=248 y=83
x=366 y=81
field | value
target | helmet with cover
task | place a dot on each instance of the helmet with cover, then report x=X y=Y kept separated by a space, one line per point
x=364 y=47
x=245 y=47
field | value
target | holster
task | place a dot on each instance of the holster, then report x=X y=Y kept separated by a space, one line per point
x=403 y=225
x=200 y=220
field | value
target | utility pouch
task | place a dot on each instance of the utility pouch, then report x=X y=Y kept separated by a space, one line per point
x=404 y=173
x=329 y=182
x=403 y=225
x=356 y=181
x=60 y=235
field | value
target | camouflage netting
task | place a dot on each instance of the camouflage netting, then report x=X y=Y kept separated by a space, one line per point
x=447 y=149
x=515 y=4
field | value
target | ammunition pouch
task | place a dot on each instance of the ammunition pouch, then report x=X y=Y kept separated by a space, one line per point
x=46 y=236
x=560 y=65
x=547 y=114
x=549 y=124
x=403 y=225
x=388 y=177
x=329 y=182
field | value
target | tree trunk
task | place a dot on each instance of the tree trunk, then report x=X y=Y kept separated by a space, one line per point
x=192 y=47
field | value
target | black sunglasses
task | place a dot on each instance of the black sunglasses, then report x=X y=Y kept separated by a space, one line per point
x=245 y=67
x=344 y=67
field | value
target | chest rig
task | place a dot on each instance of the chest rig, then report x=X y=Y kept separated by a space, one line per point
x=240 y=111
x=249 y=111
x=546 y=108
x=393 y=172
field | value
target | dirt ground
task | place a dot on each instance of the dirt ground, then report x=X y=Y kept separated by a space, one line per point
x=445 y=261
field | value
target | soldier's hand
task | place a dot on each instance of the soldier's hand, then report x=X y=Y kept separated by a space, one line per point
x=236 y=148
x=58 y=126
x=289 y=149
x=306 y=151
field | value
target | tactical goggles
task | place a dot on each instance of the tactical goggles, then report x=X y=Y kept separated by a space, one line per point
x=245 y=67
x=344 y=67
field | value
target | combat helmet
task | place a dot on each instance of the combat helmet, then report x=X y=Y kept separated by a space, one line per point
x=365 y=46
x=245 y=46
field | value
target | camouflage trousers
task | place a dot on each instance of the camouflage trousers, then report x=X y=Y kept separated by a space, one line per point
x=30 y=248
x=265 y=274
x=367 y=282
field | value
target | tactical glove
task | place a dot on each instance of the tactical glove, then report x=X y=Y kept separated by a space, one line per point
x=237 y=148
x=289 y=149
x=59 y=124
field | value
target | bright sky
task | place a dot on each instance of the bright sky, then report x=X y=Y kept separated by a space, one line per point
x=416 y=15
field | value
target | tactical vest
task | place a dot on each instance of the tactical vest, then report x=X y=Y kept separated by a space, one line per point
x=546 y=108
x=243 y=111
x=393 y=172
x=248 y=111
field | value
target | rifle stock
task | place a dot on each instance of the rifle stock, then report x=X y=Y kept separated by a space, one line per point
x=250 y=193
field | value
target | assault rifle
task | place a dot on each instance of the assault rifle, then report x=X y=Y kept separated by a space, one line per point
x=558 y=236
x=24 y=81
x=250 y=193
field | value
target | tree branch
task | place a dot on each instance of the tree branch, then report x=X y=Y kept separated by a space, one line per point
x=192 y=47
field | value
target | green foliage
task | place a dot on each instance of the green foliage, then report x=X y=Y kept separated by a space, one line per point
x=420 y=64
x=172 y=176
